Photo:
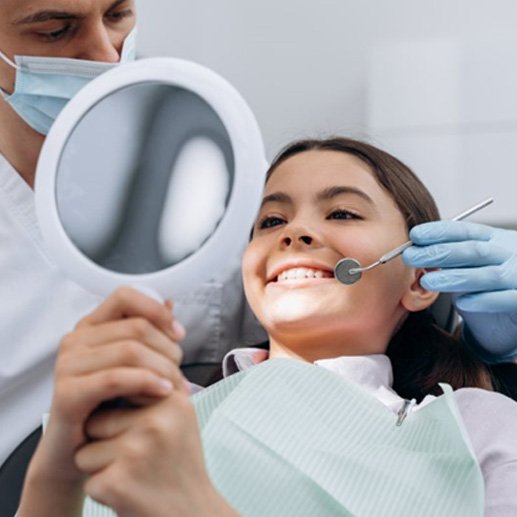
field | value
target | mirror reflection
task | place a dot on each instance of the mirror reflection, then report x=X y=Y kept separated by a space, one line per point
x=144 y=178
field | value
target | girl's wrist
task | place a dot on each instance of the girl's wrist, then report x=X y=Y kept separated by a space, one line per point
x=52 y=469
x=45 y=494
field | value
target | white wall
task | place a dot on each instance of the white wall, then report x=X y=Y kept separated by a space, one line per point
x=432 y=81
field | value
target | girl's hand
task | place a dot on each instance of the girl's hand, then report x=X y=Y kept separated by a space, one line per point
x=148 y=461
x=126 y=348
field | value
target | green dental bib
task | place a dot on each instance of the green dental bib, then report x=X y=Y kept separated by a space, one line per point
x=286 y=438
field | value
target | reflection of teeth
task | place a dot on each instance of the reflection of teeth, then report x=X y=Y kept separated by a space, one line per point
x=303 y=272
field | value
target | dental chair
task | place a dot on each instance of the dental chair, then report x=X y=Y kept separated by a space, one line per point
x=12 y=472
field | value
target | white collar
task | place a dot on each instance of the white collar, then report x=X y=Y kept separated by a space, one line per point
x=373 y=373
x=369 y=371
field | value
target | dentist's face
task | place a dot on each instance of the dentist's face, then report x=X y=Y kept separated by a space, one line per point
x=82 y=29
x=318 y=207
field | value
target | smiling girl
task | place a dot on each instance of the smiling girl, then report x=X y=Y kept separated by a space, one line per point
x=345 y=418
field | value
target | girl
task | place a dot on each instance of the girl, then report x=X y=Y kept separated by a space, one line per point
x=346 y=416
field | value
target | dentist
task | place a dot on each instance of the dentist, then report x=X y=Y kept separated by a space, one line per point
x=37 y=303
x=49 y=50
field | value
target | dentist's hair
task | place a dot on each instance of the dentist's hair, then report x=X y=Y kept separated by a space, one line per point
x=422 y=354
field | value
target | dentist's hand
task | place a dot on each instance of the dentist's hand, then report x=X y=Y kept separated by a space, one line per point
x=479 y=264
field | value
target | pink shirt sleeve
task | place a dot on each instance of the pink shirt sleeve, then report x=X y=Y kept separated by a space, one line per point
x=491 y=422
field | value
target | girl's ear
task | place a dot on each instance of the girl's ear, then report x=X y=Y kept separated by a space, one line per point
x=416 y=298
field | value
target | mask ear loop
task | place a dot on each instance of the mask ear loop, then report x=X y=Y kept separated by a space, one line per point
x=4 y=94
x=9 y=61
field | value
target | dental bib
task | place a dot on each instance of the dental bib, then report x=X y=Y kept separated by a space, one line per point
x=291 y=439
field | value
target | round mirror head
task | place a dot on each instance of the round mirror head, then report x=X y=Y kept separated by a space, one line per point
x=141 y=190
x=151 y=177
x=344 y=271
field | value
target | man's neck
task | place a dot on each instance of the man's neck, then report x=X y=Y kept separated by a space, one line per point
x=19 y=144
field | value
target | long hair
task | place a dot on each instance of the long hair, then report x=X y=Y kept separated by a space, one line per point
x=422 y=354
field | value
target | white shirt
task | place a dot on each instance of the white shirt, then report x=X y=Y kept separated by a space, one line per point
x=38 y=306
x=490 y=418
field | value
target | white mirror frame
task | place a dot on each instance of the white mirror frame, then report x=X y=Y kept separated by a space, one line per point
x=250 y=169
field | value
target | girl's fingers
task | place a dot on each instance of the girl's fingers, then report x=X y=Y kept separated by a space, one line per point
x=118 y=354
x=96 y=456
x=78 y=398
x=134 y=329
x=128 y=303
x=105 y=425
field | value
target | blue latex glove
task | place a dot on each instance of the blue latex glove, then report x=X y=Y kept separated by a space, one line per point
x=479 y=264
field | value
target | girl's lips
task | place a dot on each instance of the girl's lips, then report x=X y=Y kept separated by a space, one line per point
x=301 y=277
x=298 y=270
x=300 y=282
x=301 y=273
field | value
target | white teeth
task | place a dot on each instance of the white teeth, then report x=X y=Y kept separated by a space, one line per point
x=301 y=273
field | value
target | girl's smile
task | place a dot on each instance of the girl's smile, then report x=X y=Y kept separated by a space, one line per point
x=318 y=207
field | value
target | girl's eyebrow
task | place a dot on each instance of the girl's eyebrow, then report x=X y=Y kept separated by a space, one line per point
x=324 y=195
x=276 y=197
x=332 y=192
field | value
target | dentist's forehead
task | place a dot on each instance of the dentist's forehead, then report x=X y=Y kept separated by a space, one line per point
x=27 y=8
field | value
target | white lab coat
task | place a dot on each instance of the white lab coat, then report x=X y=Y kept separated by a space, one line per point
x=38 y=305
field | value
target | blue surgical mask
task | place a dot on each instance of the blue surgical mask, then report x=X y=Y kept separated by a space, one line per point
x=44 y=85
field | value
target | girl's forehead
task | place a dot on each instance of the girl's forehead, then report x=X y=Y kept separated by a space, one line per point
x=316 y=169
x=304 y=176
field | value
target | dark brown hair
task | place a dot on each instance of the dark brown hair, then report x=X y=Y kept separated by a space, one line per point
x=422 y=354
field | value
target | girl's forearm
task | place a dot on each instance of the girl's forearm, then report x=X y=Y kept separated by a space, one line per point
x=45 y=496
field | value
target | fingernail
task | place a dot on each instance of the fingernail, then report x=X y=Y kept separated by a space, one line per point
x=166 y=386
x=179 y=329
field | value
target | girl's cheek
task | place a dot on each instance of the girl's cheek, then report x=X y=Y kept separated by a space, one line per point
x=360 y=246
x=254 y=258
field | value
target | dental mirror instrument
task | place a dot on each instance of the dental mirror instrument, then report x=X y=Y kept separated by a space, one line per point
x=348 y=270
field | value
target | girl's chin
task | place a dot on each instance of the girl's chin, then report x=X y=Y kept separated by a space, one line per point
x=295 y=312
x=302 y=310
x=301 y=322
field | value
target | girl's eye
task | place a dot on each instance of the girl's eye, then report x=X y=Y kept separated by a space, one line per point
x=269 y=222
x=343 y=214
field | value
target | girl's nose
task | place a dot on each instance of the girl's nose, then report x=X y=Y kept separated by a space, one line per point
x=299 y=236
x=302 y=239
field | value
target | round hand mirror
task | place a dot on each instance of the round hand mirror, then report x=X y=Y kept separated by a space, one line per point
x=150 y=177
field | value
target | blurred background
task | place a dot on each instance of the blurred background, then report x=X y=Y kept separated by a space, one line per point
x=433 y=82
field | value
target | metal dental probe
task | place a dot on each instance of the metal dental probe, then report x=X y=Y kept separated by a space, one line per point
x=349 y=271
